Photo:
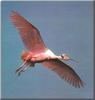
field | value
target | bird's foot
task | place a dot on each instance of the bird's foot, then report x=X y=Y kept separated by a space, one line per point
x=21 y=69
x=24 y=67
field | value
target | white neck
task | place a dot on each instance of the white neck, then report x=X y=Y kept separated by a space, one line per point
x=59 y=57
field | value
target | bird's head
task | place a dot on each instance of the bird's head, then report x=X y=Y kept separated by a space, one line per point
x=24 y=55
x=66 y=58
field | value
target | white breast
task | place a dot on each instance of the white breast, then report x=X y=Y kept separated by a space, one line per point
x=50 y=53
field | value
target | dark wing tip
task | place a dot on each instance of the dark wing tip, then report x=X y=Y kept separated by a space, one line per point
x=79 y=84
x=82 y=83
x=75 y=81
x=14 y=12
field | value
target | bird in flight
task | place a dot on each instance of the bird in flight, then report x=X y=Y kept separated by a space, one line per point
x=37 y=52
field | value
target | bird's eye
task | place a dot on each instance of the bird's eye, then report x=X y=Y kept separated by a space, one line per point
x=62 y=56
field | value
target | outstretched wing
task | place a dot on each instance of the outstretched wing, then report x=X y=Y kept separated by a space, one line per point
x=64 y=71
x=29 y=33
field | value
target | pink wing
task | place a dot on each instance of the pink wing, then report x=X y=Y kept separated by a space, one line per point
x=29 y=33
x=65 y=72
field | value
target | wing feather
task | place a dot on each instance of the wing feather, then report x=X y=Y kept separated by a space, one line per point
x=65 y=72
x=29 y=33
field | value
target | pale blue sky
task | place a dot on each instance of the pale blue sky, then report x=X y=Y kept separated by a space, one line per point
x=66 y=27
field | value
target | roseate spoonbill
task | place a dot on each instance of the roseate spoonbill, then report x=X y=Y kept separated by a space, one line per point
x=37 y=52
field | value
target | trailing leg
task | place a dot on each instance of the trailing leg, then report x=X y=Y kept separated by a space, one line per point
x=24 y=67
